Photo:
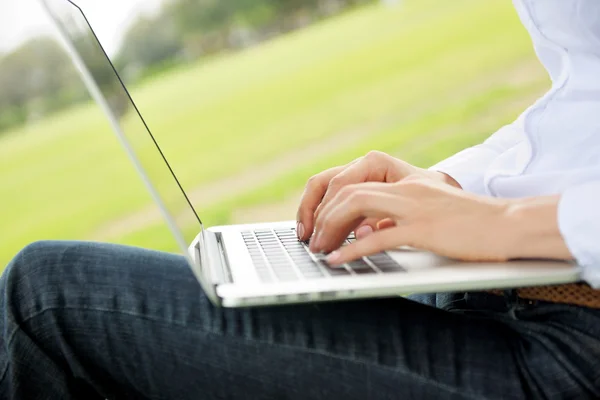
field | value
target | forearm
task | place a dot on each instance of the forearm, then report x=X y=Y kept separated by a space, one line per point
x=530 y=229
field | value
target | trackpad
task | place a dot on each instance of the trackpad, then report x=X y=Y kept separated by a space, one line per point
x=412 y=259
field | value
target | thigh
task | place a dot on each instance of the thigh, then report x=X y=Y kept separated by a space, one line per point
x=134 y=324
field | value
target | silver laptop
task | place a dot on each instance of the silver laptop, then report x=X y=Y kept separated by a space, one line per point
x=265 y=264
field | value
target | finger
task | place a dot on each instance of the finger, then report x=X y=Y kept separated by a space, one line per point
x=357 y=173
x=333 y=226
x=347 y=193
x=385 y=224
x=366 y=227
x=366 y=223
x=310 y=200
x=374 y=167
x=370 y=225
x=350 y=192
x=379 y=241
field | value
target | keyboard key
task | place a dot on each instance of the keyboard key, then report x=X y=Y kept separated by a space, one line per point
x=272 y=247
x=291 y=242
x=391 y=268
x=359 y=264
x=364 y=271
x=278 y=262
x=273 y=252
x=337 y=271
x=302 y=259
x=305 y=266
x=298 y=252
x=268 y=240
x=308 y=266
x=312 y=275
x=385 y=263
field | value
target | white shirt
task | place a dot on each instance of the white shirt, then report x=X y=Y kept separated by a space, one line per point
x=554 y=146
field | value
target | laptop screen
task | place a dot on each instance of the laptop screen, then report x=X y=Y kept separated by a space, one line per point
x=127 y=122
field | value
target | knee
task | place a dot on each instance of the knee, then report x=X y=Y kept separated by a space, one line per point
x=34 y=257
x=31 y=280
x=33 y=264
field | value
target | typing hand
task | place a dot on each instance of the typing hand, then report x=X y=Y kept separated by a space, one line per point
x=421 y=213
x=322 y=188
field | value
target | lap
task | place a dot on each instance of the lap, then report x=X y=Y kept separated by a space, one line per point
x=136 y=324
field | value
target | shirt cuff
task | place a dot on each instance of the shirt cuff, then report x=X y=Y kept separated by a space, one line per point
x=468 y=167
x=579 y=224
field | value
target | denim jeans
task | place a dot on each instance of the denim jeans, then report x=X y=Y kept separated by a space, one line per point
x=89 y=320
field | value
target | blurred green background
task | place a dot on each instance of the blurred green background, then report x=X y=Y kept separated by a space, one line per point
x=246 y=122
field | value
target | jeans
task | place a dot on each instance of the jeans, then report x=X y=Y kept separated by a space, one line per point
x=89 y=320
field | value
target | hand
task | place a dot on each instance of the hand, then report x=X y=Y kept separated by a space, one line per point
x=374 y=167
x=422 y=213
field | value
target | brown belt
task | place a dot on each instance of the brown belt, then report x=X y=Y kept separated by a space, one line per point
x=579 y=294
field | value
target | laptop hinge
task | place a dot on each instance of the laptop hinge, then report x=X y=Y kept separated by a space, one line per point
x=219 y=273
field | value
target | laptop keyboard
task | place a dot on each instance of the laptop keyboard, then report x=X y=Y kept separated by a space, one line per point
x=278 y=255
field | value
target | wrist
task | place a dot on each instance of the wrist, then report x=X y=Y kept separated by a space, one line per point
x=530 y=229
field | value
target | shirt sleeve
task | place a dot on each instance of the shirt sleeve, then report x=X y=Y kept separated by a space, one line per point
x=469 y=166
x=579 y=224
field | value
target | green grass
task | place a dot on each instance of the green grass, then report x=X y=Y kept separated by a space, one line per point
x=65 y=176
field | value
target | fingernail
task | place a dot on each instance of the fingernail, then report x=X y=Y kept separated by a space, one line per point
x=300 y=230
x=363 y=231
x=334 y=257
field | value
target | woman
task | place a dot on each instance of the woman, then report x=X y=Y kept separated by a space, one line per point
x=90 y=320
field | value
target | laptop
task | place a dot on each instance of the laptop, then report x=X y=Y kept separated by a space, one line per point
x=265 y=264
